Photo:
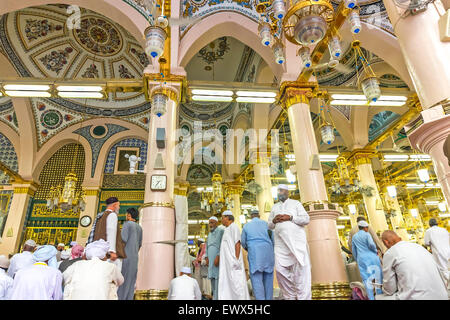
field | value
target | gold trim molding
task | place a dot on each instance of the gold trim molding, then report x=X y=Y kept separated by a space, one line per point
x=30 y=190
x=331 y=291
x=91 y=192
x=158 y=204
x=151 y=294
x=180 y=192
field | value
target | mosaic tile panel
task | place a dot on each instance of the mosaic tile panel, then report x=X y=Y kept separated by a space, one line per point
x=131 y=142
x=8 y=157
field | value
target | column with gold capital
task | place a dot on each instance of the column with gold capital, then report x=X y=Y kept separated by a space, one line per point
x=181 y=227
x=87 y=216
x=20 y=204
x=329 y=279
x=371 y=195
x=235 y=189
x=156 y=256
x=264 y=198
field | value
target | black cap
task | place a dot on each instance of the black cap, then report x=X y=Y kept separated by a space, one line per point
x=111 y=200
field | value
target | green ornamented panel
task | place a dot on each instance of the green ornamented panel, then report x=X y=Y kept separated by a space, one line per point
x=127 y=198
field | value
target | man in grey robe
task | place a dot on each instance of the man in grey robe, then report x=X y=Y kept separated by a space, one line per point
x=132 y=236
x=212 y=254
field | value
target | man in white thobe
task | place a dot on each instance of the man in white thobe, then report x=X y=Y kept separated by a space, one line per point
x=6 y=282
x=438 y=239
x=22 y=260
x=42 y=280
x=232 y=278
x=93 y=278
x=288 y=219
x=184 y=287
x=409 y=272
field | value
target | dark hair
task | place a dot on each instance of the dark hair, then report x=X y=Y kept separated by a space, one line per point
x=230 y=217
x=361 y=228
x=360 y=218
x=133 y=212
x=433 y=222
x=111 y=200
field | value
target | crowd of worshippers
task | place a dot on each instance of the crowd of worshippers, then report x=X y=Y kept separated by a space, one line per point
x=105 y=269
x=389 y=268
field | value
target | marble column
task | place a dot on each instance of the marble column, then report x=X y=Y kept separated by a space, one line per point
x=156 y=256
x=235 y=190
x=264 y=199
x=396 y=217
x=374 y=205
x=182 y=227
x=329 y=279
x=91 y=195
x=14 y=226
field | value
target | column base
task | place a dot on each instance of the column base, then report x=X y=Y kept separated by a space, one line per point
x=331 y=291
x=151 y=294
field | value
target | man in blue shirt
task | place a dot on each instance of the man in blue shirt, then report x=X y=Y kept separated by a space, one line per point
x=259 y=244
x=212 y=253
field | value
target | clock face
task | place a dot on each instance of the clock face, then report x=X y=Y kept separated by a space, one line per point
x=85 y=221
x=159 y=182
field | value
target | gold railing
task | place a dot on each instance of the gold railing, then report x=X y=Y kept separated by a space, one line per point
x=50 y=235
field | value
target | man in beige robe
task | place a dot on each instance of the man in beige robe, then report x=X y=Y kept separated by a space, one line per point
x=381 y=248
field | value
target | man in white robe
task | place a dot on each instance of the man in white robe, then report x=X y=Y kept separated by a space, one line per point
x=6 y=282
x=184 y=287
x=93 y=278
x=438 y=239
x=42 y=280
x=232 y=278
x=409 y=272
x=22 y=260
x=288 y=219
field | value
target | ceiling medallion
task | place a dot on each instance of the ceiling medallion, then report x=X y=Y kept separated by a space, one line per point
x=99 y=36
x=51 y=119
x=211 y=54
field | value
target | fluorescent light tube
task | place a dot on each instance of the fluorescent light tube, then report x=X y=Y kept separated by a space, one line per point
x=387 y=103
x=364 y=103
x=340 y=226
x=266 y=94
x=392 y=98
x=255 y=100
x=212 y=98
x=27 y=87
x=212 y=92
x=344 y=218
x=79 y=88
x=64 y=94
x=40 y=94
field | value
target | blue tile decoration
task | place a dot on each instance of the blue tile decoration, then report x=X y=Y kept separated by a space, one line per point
x=97 y=143
x=380 y=122
x=8 y=157
x=130 y=142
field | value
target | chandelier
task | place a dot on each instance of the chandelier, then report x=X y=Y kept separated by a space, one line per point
x=369 y=82
x=212 y=198
x=344 y=178
x=66 y=198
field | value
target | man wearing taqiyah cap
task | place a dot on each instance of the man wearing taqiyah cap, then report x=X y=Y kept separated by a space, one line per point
x=233 y=280
x=212 y=253
x=60 y=247
x=40 y=281
x=437 y=239
x=184 y=287
x=24 y=259
x=6 y=282
x=93 y=278
x=76 y=254
x=364 y=251
x=288 y=219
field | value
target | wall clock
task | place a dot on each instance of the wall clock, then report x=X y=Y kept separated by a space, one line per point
x=158 y=182
x=85 y=221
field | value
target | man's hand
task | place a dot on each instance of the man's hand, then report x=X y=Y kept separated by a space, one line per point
x=206 y=261
x=112 y=256
x=216 y=261
x=281 y=218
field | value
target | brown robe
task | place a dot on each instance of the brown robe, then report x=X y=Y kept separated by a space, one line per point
x=100 y=233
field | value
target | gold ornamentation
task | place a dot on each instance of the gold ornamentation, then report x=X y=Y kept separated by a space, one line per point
x=362 y=156
x=137 y=195
x=40 y=210
x=123 y=181
x=151 y=294
x=180 y=192
x=91 y=192
x=158 y=204
x=170 y=92
x=22 y=190
x=331 y=291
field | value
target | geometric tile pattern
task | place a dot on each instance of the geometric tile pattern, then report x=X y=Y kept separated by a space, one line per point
x=131 y=142
x=8 y=157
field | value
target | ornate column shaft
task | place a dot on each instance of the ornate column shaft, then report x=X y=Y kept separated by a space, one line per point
x=264 y=199
x=14 y=226
x=181 y=228
x=156 y=256
x=373 y=203
x=397 y=221
x=91 y=195
x=236 y=191
x=329 y=279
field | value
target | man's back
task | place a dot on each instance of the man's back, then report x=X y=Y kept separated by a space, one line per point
x=411 y=271
x=132 y=236
x=257 y=230
x=184 y=288
x=37 y=282
x=91 y=280
x=438 y=238
x=373 y=234
x=6 y=284
x=256 y=240
x=20 y=261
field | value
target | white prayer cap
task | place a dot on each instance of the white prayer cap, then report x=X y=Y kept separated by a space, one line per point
x=213 y=218
x=73 y=243
x=201 y=239
x=186 y=270
x=363 y=224
x=61 y=245
x=227 y=213
x=30 y=243
x=65 y=254
x=97 y=249
x=4 y=262
x=283 y=187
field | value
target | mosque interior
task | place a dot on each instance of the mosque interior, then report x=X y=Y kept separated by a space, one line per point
x=354 y=133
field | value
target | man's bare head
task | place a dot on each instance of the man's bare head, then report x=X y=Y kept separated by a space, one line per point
x=390 y=238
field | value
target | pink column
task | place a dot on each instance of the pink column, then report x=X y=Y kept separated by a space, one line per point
x=156 y=256
x=329 y=279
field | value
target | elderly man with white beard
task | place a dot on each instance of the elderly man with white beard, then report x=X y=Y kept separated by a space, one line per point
x=288 y=219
